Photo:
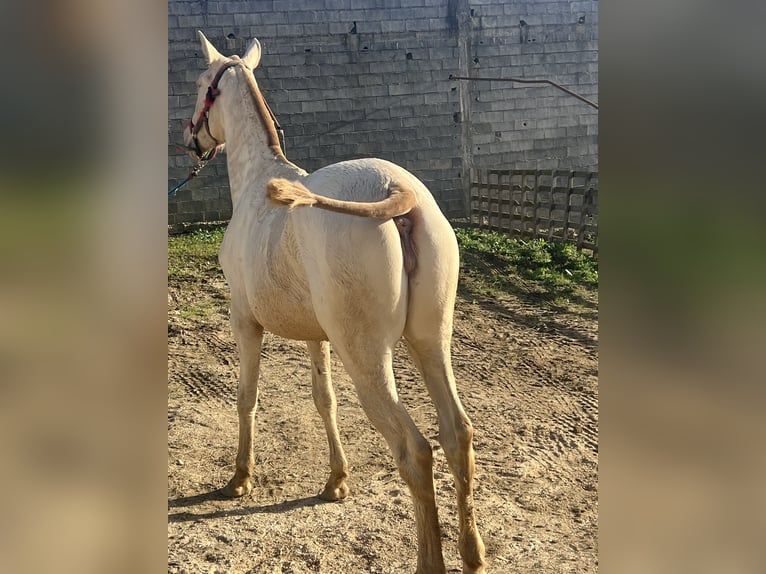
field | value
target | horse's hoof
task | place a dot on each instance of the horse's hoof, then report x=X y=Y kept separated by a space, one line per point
x=333 y=494
x=237 y=488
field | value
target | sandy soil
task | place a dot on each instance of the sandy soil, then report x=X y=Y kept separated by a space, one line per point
x=527 y=376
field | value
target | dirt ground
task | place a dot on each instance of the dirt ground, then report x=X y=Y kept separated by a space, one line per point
x=527 y=375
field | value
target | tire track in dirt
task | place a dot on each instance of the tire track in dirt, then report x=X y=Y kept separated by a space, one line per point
x=205 y=369
x=542 y=370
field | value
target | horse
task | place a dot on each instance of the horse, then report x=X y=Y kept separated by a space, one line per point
x=355 y=255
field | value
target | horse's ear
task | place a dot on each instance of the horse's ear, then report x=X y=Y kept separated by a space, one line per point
x=211 y=54
x=252 y=55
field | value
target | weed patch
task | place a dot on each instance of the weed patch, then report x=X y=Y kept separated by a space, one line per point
x=194 y=255
x=491 y=263
x=538 y=269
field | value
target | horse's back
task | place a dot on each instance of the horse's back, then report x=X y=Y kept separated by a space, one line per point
x=368 y=180
x=364 y=180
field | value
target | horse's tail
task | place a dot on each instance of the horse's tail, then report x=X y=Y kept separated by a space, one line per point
x=293 y=194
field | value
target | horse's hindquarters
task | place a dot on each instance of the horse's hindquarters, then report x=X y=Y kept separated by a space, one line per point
x=355 y=271
x=433 y=285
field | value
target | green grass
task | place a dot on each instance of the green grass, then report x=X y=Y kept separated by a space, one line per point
x=193 y=267
x=491 y=263
x=197 y=311
x=538 y=269
x=194 y=255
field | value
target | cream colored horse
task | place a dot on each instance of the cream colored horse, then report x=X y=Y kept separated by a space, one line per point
x=362 y=259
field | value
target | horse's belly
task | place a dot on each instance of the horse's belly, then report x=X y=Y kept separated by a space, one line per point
x=289 y=318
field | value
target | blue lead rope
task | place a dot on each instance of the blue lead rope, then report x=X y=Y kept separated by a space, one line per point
x=179 y=186
x=193 y=173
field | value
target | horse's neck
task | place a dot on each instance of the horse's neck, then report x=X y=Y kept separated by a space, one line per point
x=250 y=161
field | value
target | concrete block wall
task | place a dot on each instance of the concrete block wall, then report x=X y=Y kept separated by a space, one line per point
x=370 y=78
x=522 y=126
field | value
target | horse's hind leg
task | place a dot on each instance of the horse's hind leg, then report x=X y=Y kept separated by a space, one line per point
x=324 y=399
x=374 y=382
x=428 y=333
x=455 y=436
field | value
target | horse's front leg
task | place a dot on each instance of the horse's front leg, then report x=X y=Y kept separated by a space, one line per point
x=249 y=336
x=324 y=399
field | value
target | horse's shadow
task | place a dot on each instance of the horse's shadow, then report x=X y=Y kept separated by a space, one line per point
x=216 y=495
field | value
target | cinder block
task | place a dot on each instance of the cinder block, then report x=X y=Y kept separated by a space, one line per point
x=179 y=8
x=335 y=4
x=316 y=28
x=388 y=26
x=191 y=207
x=260 y=5
x=329 y=117
x=243 y=19
x=289 y=30
x=577 y=150
x=520 y=145
x=402 y=111
x=194 y=21
x=555 y=133
x=575 y=131
x=370 y=79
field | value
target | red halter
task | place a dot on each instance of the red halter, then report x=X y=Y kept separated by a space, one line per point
x=202 y=118
x=212 y=93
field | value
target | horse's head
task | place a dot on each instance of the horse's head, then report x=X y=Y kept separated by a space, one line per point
x=205 y=132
